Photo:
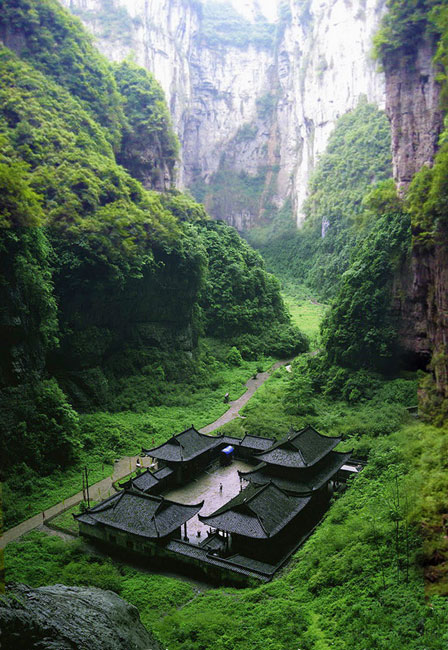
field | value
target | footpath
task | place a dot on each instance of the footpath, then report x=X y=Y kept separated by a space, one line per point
x=126 y=465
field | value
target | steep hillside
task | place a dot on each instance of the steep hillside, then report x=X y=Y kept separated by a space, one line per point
x=102 y=280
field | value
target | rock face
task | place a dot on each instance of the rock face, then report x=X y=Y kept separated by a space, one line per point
x=413 y=108
x=61 y=617
x=422 y=291
x=248 y=112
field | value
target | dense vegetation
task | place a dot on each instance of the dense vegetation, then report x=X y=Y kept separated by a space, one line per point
x=361 y=330
x=365 y=558
x=106 y=285
x=357 y=155
x=353 y=242
x=149 y=140
x=405 y=26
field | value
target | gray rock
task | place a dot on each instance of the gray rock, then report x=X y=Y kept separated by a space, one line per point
x=68 y=618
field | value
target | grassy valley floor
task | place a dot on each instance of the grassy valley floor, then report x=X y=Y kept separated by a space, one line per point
x=358 y=583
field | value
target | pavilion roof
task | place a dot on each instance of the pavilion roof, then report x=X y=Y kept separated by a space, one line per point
x=257 y=512
x=141 y=514
x=299 y=449
x=256 y=442
x=184 y=446
x=143 y=482
x=301 y=484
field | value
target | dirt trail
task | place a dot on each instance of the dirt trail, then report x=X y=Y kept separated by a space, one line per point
x=126 y=465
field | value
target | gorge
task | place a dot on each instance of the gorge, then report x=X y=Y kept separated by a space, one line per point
x=252 y=102
x=136 y=180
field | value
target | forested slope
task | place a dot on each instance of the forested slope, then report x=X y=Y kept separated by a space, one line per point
x=103 y=279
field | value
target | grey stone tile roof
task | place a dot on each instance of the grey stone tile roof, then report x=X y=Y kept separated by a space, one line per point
x=141 y=514
x=256 y=442
x=303 y=448
x=258 y=512
x=230 y=440
x=144 y=482
x=235 y=563
x=304 y=482
x=184 y=446
x=163 y=473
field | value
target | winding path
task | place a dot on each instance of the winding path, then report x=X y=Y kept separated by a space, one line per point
x=126 y=465
x=234 y=407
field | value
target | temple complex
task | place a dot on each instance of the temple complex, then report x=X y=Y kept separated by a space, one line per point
x=226 y=508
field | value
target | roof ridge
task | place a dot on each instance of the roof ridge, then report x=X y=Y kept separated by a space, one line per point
x=185 y=431
x=302 y=457
x=260 y=521
x=256 y=493
x=118 y=500
x=257 y=515
x=322 y=435
x=106 y=504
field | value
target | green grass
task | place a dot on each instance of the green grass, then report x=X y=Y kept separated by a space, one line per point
x=38 y=559
x=354 y=584
x=357 y=582
x=65 y=521
x=267 y=414
x=307 y=314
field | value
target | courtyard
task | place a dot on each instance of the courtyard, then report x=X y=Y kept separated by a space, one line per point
x=207 y=487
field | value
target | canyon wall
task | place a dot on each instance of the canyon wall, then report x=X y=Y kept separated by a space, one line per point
x=252 y=117
x=413 y=107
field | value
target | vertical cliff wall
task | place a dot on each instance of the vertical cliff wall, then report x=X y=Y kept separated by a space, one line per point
x=413 y=107
x=253 y=116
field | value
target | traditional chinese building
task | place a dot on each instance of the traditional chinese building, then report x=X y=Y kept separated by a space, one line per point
x=149 y=482
x=260 y=522
x=252 y=534
x=186 y=453
x=136 y=521
x=304 y=462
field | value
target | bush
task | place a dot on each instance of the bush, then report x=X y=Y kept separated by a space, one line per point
x=234 y=357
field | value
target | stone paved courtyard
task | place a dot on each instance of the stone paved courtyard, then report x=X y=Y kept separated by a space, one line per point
x=206 y=488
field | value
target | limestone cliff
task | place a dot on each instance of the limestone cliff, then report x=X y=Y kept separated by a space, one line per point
x=413 y=107
x=252 y=117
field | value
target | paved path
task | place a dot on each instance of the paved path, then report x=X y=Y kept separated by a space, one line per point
x=238 y=404
x=127 y=464
x=99 y=491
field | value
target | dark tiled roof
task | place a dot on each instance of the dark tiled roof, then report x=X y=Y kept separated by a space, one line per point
x=256 y=442
x=324 y=471
x=303 y=448
x=163 y=473
x=230 y=440
x=184 y=446
x=236 y=563
x=144 y=482
x=259 y=512
x=140 y=514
